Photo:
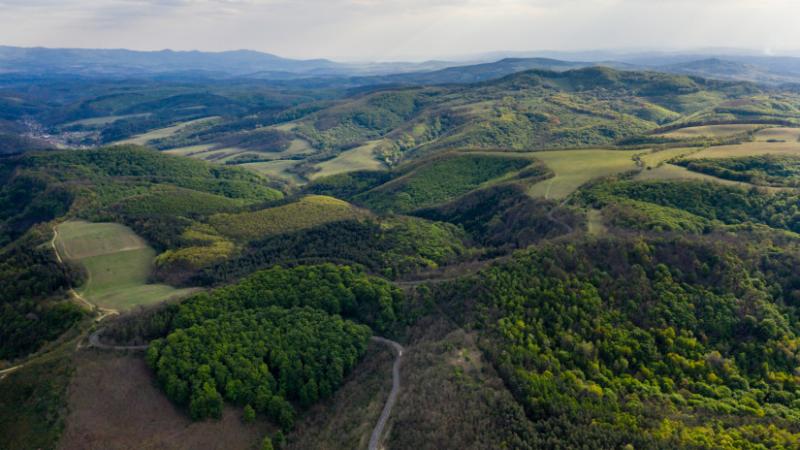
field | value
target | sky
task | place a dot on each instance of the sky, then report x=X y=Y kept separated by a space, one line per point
x=392 y=30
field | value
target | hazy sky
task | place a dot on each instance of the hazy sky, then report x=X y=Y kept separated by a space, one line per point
x=401 y=29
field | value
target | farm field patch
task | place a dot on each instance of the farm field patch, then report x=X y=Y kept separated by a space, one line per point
x=161 y=133
x=118 y=264
x=710 y=131
x=573 y=168
x=359 y=158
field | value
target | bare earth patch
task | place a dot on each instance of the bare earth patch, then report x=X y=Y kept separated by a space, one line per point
x=114 y=404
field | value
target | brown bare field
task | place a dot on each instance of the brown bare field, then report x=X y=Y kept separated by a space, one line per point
x=451 y=396
x=115 y=405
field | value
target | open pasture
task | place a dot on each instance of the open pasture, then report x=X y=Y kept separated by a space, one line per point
x=657 y=158
x=161 y=133
x=118 y=264
x=673 y=172
x=276 y=169
x=574 y=168
x=359 y=158
x=710 y=131
x=777 y=141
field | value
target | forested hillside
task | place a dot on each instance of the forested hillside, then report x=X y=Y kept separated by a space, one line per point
x=588 y=258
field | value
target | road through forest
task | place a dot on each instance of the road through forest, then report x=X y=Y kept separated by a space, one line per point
x=377 y=432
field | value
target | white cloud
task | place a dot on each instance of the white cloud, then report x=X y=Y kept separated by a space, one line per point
x=399 y=29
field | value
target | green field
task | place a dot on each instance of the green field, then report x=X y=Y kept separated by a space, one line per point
x=784 y=142
x=104 y=120
x=573 y=168
x=276 y=169
x=359 y=158
x=307 y=212
x=713 y=131
x=118 y=263
x=161 y=133
x=673 y=172
x=655 y=159
x=208 y=152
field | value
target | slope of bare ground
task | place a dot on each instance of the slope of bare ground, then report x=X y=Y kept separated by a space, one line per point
x=346 y=420
x=452 y=398
x=115 y=405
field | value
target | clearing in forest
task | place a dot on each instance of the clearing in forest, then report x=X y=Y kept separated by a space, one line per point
x=161 y=133
x=359 y=158
x=574 y=168
x=776 y=141
x=117 y=261
x=710 y=131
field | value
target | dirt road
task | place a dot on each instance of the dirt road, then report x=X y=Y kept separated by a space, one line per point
x=377 y=432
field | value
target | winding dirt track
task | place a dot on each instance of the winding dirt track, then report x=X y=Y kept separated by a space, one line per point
x=377 y=432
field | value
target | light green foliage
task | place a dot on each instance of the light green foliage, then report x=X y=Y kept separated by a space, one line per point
x=764 y=170
x=439 y=181
x=334 y=289
x=727 y=204
x=164 y=200
x=304 y=213
x=639 y=342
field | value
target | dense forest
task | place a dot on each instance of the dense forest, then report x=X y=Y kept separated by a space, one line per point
x=273 y=338
x=652 y=343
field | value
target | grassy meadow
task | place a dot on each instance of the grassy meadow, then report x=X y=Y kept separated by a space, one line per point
x=161 y=133
x=573 y=168
x=118 y=263
x=770 y=141
x=359 y=158
x=710 y=131
x=276 y=169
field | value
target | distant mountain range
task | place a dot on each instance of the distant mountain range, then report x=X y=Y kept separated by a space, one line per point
x=119 y=63
x=130 y=63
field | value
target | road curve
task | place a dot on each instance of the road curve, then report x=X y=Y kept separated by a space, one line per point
x=94 y=341
x=377 y=432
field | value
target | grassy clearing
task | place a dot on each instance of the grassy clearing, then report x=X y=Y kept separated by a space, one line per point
x=276 y=169
x=771 y=141
x=594 y=222
x=573 y=168
x=712 y=131
x=790 y=135
x=207 y=152
x=192 y=150
x=100 y=121
x=118 y=263
x=359 y=158
x=161 y=133
x=305 y=213
x=673 y=172
x=656 y=159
